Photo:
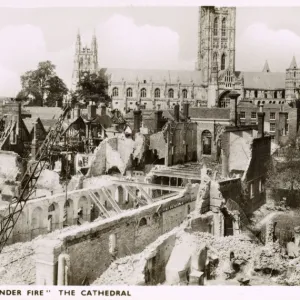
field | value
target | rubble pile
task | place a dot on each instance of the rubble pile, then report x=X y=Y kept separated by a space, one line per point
x=129 y=270
x=17 y=264
x=269 y=260
x=240 y=245
x=125 y=271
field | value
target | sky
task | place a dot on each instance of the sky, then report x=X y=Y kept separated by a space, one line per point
x=137 y=37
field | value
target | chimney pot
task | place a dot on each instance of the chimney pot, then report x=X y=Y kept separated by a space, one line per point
x=233 y=95
x=261 y=121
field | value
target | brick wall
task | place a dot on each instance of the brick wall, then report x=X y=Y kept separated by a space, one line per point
x=183 y=140
x=89 y=247
x=257 y=172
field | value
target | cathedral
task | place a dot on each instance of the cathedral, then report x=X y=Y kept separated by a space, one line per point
x=209 y=85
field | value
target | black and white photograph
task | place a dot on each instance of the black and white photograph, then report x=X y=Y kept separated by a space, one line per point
x=145 y=145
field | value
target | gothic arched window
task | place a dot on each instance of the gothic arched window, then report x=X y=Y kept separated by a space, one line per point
x=157 y=93
x=224 y=27
x=143 y=93
x=184 y=93
x=129 y=92
x=115 y=92
x=216 y=26
x=223 y=61
x=171 y=93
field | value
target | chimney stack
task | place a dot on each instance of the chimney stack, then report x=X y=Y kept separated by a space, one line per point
x=158 y=120
x=261 y=121
x=137 y=115
x=233 y=95
x=34 y=143
x=103 y=109
x=176 y=112
x=92 y=109
x=186 y=111
x=77 y=111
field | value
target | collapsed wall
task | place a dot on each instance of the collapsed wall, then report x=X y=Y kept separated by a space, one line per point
x=11 y=168
x=122 y=235
x=116 y=152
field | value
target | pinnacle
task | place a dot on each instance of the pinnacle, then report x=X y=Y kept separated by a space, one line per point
x=266 y=67
x=293 y=64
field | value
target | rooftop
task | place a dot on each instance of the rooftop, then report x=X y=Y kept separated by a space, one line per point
x=168 y=76
x=264 y=80
x=209 y=113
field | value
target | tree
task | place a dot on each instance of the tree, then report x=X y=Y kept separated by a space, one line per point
x=93 y=87
x=56 y=91
x=43 y=84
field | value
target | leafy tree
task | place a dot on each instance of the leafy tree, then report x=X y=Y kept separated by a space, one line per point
x=56 y=90
x=93 y=87
x=43 y=84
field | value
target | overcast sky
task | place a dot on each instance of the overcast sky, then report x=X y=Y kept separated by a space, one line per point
x=144 y=37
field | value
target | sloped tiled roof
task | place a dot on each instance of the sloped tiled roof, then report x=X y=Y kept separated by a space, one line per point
x=170 y=76
x=48 y=123
x=105 y=120
x=264 y=80
x=29 y=123
x=44 y=112
x=209 y=113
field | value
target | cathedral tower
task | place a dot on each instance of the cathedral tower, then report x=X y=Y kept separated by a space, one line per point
x=85 y=59
x=216 y=40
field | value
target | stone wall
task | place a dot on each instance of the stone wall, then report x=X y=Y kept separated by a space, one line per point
x=88 y=245
x=34 y=219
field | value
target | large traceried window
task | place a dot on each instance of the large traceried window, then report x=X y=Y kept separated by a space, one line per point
x=157 y=93
x=171 y=93
x=224 y=27
x=216 y=26
x=129 y=92
x=143 y=93
x=115 y=92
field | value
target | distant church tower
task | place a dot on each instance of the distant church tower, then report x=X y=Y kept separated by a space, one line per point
x=216 y=45
x=292 y=81
x=85 y=59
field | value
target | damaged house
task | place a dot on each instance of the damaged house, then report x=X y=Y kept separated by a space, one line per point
x=171 y=142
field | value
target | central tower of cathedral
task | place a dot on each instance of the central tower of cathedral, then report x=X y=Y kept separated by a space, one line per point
x=216 y=40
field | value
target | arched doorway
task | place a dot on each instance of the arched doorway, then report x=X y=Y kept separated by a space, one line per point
x=53 y=217
x=119 y=194
x=36 y=222
x=224 y=100
x=68 y=213
x=206 y=142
